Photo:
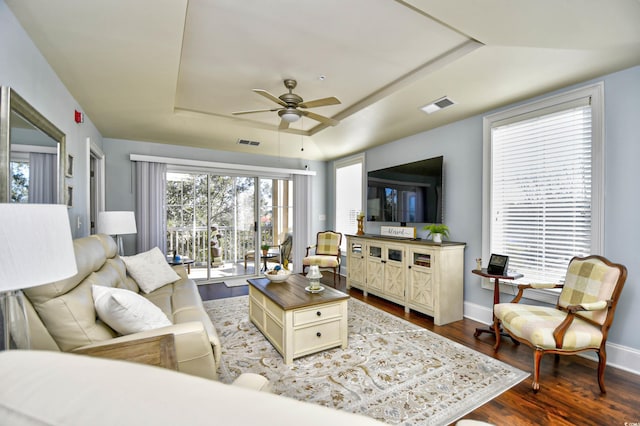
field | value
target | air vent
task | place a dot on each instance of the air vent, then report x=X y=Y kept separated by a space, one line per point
x=437 y=105
x=444 y=102
x=247 y=142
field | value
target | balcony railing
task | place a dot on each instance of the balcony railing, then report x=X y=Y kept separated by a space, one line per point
x=194 y=243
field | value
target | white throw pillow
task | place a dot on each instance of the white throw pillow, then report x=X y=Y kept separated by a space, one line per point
x=127 y=312
x=150 y=270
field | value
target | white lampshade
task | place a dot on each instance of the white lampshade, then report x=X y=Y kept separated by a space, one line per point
x=117 y=223
x=38 y=246
x=290 y=115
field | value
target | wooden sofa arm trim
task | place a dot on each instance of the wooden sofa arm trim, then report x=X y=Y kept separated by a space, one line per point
x=157 y=350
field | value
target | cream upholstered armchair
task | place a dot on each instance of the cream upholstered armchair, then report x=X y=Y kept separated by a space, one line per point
x=326 y=252
x=579 y=322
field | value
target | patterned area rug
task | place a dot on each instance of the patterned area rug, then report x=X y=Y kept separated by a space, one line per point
x=393 y=370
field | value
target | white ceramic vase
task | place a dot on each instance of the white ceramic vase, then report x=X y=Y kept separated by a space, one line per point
x=437 y=238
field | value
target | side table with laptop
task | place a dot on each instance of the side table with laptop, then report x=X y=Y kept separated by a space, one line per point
x=496 y=277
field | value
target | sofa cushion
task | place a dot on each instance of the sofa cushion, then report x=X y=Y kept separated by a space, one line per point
x=127 y=312
x=150 y=270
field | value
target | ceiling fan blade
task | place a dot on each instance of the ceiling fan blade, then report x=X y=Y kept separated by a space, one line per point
x=320 y=118
x=270 y=97
x=254 y=111
x=320 y=102
x=283 y=125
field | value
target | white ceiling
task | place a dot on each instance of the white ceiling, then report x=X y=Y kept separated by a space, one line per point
x=173 y=71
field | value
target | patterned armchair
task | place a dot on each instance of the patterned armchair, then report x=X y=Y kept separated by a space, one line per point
x=326 y=252
x=579 y=322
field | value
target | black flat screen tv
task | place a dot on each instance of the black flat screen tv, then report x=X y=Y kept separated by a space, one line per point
x=409 y=192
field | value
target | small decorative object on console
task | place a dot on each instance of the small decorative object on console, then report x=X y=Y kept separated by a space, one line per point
x=360 y=224
x=437 y=231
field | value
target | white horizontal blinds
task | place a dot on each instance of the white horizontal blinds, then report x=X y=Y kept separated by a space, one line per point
x=541 y=190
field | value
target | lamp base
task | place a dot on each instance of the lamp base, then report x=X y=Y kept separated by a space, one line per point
x=15 y=325
x=120 y=245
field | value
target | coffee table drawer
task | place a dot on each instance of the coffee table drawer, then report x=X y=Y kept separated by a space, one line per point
x=316 y=337
x=318 y=313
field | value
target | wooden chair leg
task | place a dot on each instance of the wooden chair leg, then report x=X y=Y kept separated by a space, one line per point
x=537 y=357
x=497 y=332
x=602 y=363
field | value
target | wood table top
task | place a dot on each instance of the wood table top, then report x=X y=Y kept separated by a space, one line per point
x=510 y=275
x=291 y=294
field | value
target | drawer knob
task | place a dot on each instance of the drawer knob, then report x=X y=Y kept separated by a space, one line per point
x=319 y=313
x=319 y=334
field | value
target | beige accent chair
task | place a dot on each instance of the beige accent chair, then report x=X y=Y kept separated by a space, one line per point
x=579 y=322
x=62 y=316
x=325 y=253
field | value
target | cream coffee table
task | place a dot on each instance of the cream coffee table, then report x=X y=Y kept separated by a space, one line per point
x=297 y=322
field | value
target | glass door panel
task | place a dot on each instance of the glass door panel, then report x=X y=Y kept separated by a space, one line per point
x=276 y=219
x=233 y=221
x=180 y=214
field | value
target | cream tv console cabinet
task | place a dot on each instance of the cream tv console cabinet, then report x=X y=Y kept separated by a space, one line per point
x=420 y=275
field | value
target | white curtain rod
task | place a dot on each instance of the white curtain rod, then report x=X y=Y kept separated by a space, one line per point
x=216 y=165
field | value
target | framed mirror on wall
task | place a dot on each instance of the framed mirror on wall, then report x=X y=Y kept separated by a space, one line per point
x=33 y=156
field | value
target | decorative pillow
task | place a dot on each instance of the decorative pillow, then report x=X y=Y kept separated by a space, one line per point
x=150 y=270
x=125 y=311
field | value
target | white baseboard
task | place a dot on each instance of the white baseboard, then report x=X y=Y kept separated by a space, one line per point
x=622 y=357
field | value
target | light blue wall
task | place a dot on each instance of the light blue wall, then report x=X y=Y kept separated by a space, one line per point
x=23 y=68
x=461 y=145
x=119 y=171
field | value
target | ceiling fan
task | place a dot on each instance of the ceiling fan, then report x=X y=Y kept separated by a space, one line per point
x=290 y=104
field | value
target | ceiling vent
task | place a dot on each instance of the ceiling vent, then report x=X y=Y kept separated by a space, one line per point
x=437 y=105
x=247 y=142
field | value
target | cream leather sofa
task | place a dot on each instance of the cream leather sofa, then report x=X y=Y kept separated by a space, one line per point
x=62 y=316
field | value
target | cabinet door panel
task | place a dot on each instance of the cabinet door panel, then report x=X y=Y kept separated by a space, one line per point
x=394 y=280
x=421 y=288
x=375 y=275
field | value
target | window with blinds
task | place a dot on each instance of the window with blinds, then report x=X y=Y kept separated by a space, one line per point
x=542 y=187
x=348 y=195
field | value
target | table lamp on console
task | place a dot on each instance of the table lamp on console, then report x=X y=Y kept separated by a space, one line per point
x=38 y=249
x=117 y=223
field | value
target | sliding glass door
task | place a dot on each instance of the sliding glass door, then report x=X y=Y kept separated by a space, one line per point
x=218 y=223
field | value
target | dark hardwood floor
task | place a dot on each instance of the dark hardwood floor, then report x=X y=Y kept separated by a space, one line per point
x=569 y=392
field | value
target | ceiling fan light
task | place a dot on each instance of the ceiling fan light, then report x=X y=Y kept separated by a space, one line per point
x=289 y=115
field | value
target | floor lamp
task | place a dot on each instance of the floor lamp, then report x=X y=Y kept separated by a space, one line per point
x=38 y=249
x=118 y=224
